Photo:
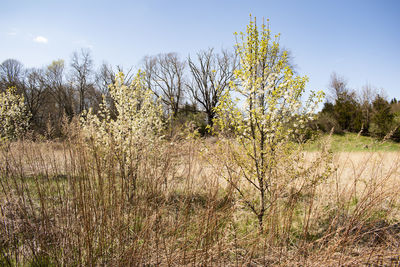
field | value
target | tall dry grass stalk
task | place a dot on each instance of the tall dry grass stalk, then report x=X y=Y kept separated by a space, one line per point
x=64 y=203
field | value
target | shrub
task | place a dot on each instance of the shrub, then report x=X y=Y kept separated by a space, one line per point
x=137 y=127
x=14 y=117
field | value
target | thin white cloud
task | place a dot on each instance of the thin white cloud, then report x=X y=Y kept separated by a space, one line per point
x=13 y=33
x=40 y=39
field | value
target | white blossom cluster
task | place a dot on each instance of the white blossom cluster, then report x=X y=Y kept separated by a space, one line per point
x=14 y=117
x=138 y=123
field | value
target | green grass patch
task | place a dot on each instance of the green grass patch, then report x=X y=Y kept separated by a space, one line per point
x=351 y=142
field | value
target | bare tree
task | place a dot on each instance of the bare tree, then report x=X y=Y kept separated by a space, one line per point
x=368 y=94
x=337 y=87
x=366 y=97
x=210 y=78
x=82 y=70
x=61 y=92
x=11 y=72
x=36 y=95
x=149 y=66
x=165 y=76
x=105 y=76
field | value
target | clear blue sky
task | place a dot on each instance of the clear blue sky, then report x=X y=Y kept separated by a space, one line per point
x=359 y=40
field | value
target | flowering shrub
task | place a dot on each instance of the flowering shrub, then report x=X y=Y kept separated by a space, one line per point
x=14 y=117
x=137 y=126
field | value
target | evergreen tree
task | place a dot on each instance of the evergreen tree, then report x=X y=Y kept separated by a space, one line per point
x=382 y=120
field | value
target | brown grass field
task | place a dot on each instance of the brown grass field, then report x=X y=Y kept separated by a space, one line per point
x=63 y=204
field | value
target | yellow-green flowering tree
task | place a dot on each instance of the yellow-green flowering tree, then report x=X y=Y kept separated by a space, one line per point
x=264 y=119
x=135 y=130
x=14 y=117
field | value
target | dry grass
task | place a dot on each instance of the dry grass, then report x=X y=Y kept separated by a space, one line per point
x=63 y=204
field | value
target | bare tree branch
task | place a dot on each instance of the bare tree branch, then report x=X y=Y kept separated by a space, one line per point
x=210 y=78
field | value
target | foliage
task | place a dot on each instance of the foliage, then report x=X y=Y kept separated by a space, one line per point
x=365 y=112
x=14 y=118
x=348 y=112
x=272 y=115
x=344 y=114
x=326 y=120
x=382 y=120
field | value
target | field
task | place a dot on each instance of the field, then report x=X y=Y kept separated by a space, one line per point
x=351 y=142
x=64 y=204
x=195 y=150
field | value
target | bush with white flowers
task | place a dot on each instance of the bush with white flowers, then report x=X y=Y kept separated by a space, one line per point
x=14 y=117
x=137 y=127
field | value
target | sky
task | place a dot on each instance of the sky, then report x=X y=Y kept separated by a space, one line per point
x=357 y=39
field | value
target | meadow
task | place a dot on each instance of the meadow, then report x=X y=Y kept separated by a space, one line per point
x=65 y=204
x=138 y=178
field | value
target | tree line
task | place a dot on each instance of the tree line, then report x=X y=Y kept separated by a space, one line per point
x=189 y=88
x=60 y=90
x=367 y=111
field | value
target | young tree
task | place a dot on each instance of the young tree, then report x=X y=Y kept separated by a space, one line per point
x=265 y=127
